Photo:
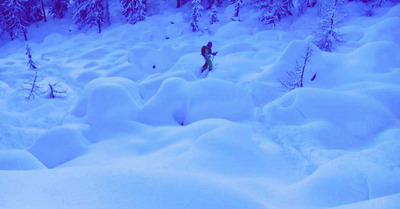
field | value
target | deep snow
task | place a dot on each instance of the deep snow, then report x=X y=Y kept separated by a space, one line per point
x=141 y=129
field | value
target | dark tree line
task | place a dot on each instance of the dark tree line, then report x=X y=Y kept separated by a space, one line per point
x=17 y=15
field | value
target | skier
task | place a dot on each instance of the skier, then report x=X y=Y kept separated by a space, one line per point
x=207 y=53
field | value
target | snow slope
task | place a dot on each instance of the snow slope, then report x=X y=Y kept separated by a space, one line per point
x=140 y=128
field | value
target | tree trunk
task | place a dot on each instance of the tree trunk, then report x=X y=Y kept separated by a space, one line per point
x=178 y=3
x=99 y=23
x=44 y=11
x=107 y=12
x=26 y=38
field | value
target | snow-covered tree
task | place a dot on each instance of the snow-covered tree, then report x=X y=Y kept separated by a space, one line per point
x=58 y=8
x=295 y=78
x=238 y=6
x=134 y=10
x=14 y=18
x=213 y=14
x=32 y=85
x=219 y=3
x=272 y=11
x=31 y=64
x=328 y=35
x=195 y=14
x=34 y=10
x=91 y=12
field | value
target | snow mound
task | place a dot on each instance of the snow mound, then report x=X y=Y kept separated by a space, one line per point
x=351 y=113
x=181 y=102
x=19 y=160
x=151 y=59
x=383 y=31
x=231 y=147
x=233 y=30
x=110 y=102
x=376 y=57
x=388 y=202
x=98 y=92
x=58 y=146
x=335 y=183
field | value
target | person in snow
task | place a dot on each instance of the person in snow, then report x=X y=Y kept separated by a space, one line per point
x=207 y=53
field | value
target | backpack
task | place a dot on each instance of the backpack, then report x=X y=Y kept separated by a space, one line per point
x=203 y=50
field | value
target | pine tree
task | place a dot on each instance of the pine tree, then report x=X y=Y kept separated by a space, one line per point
x=213 y=14
x=91 y=12
x=219 y=3
x=31 y=64
x=58 y=8
x=134 y=10
x=15 y=22
x=196 y=13
x=272 y=11
x=238 y=6
x=295 y=78
x=33 y=10
x=32 y=85
x=328 y=35
x=3 y=26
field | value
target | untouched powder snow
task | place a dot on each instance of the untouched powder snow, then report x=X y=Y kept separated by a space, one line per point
x=141 y=128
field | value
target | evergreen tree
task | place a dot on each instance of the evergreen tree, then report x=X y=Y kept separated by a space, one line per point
x=133 y=10
x=213 y=14
x=91 y=12
x=272 y=11
x=3 y=26
x=196 y=13
x=328 y=35
x=238 y=5
x=58 y=8
x=15 y=22
x=219 y=3
x=32 y=85
x=33 y=10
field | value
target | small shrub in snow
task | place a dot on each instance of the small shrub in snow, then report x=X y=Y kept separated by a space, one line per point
x=295 y=77
x=54 y=92
x=133 y=10
x=195 y=14
x=327 y=36
x=32 y=85
x=58 y=8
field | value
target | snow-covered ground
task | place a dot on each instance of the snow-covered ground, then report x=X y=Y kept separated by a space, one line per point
x=140 y=128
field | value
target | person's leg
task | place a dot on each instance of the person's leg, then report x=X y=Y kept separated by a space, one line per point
x=209 y=64
x=204 y=66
